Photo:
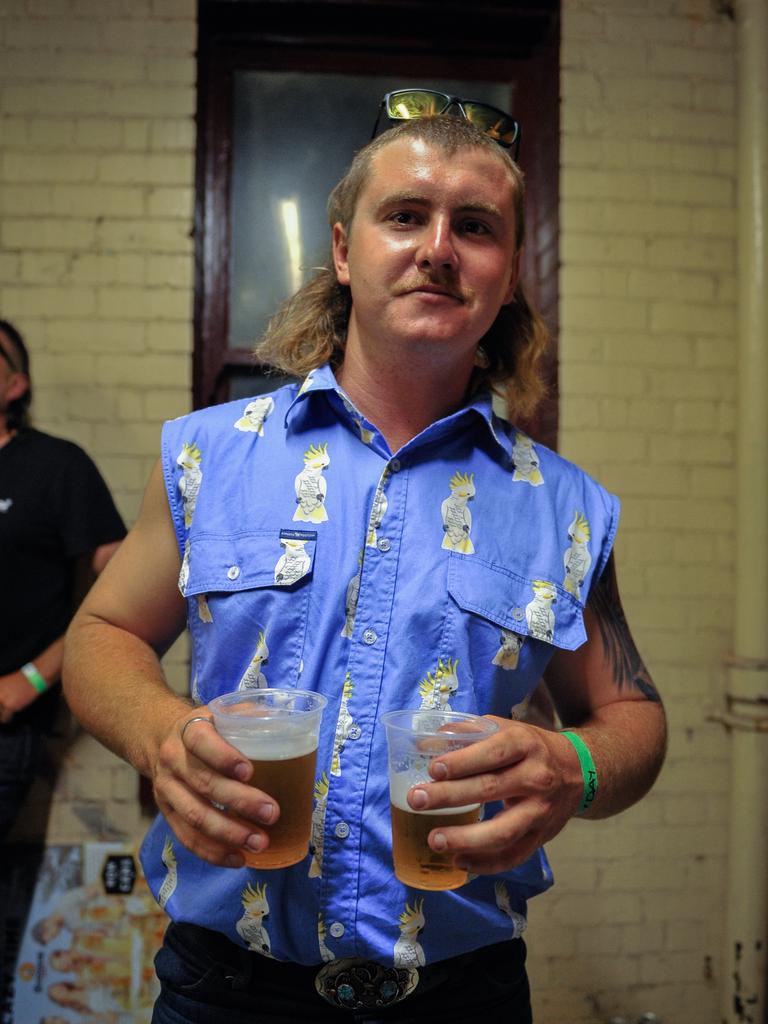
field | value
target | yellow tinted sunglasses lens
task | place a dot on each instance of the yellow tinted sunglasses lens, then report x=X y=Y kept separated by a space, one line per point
x=493 y=122
x=408 y=103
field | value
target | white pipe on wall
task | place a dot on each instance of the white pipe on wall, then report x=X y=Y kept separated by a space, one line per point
x=746 y=939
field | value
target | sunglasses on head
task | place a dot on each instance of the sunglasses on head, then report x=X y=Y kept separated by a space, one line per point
x=405 y=104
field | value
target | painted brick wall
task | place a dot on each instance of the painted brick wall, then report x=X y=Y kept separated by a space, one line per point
x=647 y=354
x=97 y=99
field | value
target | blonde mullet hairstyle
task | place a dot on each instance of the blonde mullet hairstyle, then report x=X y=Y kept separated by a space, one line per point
x=310 y=328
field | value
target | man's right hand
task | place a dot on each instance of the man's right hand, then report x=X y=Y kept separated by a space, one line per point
x=196 y=775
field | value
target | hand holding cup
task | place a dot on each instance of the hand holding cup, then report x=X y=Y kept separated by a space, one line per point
x=413 y=739
x=277 y=730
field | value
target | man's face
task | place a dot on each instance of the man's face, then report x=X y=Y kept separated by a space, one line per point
x=430 y=255
x=13 y=383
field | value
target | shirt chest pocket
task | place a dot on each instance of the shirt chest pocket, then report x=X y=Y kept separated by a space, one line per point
x=247 y=597
x=506 y=624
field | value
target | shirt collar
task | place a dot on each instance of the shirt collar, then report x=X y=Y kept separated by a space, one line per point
x=323 y=379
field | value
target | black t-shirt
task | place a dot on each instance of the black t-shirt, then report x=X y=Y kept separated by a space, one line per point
x=54 y=509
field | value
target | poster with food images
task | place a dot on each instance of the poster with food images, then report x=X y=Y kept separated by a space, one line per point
x=80 y=930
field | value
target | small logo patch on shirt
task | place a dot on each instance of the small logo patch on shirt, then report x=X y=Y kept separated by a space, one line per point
x=298 y=535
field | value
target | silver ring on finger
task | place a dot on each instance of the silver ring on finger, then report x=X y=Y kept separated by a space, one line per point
x=195 y=718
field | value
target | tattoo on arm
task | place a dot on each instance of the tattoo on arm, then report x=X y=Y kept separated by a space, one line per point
x=620 y=651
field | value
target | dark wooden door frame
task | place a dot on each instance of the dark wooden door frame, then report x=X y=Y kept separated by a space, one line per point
x=495 y=41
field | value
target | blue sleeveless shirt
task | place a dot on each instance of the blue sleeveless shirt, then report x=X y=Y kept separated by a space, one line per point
x=445 y=576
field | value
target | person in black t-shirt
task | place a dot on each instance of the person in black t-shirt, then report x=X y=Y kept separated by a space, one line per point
x=58 y=529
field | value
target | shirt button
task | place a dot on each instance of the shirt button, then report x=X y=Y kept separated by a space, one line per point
x=233 y=572
x=384 y=544
x=342 y=830
x=355 y=732
x=336 y=929
x=518 y=614
x=370 y=636
x=395 y=465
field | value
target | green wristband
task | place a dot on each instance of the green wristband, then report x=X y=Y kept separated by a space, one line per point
x=34 y=677
x=588 y=770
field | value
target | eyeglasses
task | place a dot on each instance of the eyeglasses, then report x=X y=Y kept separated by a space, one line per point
x=405 y=104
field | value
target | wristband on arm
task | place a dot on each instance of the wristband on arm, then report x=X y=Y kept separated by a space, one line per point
x=33 y=677
x=588 y=770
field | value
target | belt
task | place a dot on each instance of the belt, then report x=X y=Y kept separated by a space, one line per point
x=351 y=984
x=354 y=984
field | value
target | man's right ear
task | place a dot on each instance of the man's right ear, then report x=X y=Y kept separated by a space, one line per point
x=18 y=386
x=340 y=250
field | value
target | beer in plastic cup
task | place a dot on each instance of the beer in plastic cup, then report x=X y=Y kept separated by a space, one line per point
x=277 y=730
x=413 y=739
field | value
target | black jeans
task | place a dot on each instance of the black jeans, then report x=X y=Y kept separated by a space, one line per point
x=21 y=748
x=206 y=979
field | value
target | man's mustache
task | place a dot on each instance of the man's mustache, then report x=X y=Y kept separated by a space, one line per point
x=442 y=285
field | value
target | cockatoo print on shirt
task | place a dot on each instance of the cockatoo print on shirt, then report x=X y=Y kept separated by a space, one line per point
x=203 y=611
x=293 y=564
x=518 y=712
x=170 y=881
x=508 y=654
x=457 y=519
x=184 y=571
x=366 y=435
x=350 y=599
x=253 y=677
x=254 y=414
x=526 y=460
x=436 y=690
x=378 y=509
x=408 y=951
x=577 y=558
x=502 y=902
x=307 y=383
x=325 y=952
x=317 y=838
x=190 y=459
x=311 y=486
x=539 y=614
x=344 y=726
x=250 y=927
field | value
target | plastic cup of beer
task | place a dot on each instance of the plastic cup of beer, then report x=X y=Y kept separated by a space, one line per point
x=413 y=739
x=277 y=730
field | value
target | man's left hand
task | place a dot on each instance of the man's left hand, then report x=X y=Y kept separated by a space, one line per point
x=534 y=772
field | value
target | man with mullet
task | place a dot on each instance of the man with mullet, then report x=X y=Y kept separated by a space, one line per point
x=434 y=540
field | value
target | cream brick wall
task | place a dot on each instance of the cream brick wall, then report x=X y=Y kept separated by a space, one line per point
x=647 y=353
x=97 y=101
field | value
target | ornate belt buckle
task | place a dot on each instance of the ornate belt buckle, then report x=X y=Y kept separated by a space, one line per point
x=354 y=984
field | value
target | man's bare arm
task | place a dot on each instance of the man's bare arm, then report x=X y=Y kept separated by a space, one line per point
x=115 y=686
x=112 y=676
x=605 y=691
x=626 y=667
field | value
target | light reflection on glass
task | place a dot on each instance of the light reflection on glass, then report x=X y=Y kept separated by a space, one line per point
x=289 y=218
